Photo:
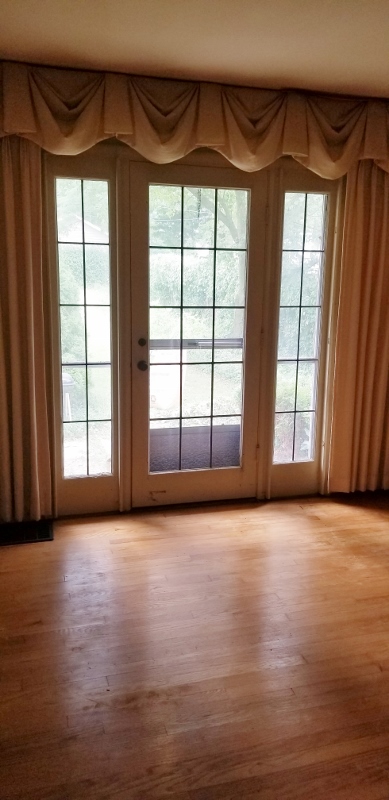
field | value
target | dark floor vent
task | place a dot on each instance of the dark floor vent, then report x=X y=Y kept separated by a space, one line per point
x=26 y=532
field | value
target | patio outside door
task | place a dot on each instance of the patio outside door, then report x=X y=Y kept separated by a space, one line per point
x=197 y=255
x=190 y=309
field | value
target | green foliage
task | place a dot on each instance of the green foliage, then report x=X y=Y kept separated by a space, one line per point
x=199 y=266
x=300 y=285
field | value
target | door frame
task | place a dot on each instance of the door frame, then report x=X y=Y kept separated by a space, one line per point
x=299 y=478
x=86 y=494
x=118 y=163
x=217 y=483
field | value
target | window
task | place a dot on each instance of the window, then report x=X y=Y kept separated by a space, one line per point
x=304 y=230
x=187 y=363
x=197 y=294
x=85 y=324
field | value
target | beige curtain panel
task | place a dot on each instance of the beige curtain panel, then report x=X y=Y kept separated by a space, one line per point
x=360 y=430
x=25 y=466
x=68 y=111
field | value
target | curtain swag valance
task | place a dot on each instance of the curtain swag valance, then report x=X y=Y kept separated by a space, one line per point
x=68 y=111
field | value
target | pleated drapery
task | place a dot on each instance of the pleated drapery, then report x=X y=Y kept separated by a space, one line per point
x=68 y=111
x=360 y=417
x=25 y=467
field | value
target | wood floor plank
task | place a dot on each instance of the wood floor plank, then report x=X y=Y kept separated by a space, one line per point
x=204 y=653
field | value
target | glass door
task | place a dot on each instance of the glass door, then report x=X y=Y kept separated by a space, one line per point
x=81 y=226
x=300 y=368
x=191 y=335
x=196 y=300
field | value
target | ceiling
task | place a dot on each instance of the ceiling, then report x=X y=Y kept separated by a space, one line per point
x=323 y=45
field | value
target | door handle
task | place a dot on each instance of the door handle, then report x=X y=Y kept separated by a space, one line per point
x=142 y=366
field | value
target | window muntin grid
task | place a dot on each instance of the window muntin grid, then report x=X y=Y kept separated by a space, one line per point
x=197 y=237
x=304 y=232
x=83 y=252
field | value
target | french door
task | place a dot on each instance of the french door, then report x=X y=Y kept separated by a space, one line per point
x=197 y=249
x=191 y=321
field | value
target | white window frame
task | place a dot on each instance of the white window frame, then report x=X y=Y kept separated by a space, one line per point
x=112 y=161
x=83 y=494
x=306 y=477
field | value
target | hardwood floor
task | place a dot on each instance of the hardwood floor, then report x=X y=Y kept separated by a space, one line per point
x=217 y=652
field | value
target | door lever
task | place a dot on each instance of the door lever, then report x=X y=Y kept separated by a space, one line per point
x=142 y=366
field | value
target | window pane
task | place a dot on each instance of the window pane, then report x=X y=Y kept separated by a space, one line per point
x=314 y=226
x=96 y=211
x=288 y=333
x=198 y=278
x=196 y=443
x=69 y=210
x=228 y=354
x=165 y=352
x=165 y=216
x=294 y=209
x=165 y=323
x=226 y=432
x=195 y=355
x=309 y=330
x=164 y=445
x=199 y=335
x=304 y=436
x=97 y=274
x=100 y=447
x=196 y=390
x=99 y=393
x=299 y=326
x=71 y=273
x=98 y=319
x=291 y=278
x=199 y=217
x=230 y=289
x=234 y=419
x=74 y=449
x=82 y=211
x=229 y=323
x=73 y=334
x=74 y=394
x=283 y=438
x=197 y=324
x=164 y=391
x=286 y=386
x=306 y=385
x=227 y=389
x=311 y=294
x=168 y=424
x=232 y=218
x=165 y=277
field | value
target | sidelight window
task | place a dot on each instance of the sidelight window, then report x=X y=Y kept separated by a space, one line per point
x=83 y=250
x=303 y=249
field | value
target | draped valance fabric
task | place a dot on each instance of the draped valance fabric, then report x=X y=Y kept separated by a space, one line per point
x=68 y=111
